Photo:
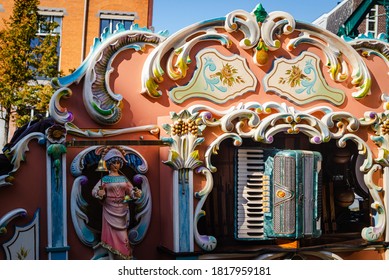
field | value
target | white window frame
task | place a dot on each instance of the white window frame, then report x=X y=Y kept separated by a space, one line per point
x=372 y=19
x=116 y=15
x=53 y=12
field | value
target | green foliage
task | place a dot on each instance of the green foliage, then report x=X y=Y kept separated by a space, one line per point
x=25 y=61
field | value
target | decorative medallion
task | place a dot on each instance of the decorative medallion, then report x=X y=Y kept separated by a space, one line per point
x=300 y=80
x=217 y=78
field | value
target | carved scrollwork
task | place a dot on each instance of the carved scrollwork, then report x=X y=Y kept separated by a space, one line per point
x=261 y=122
x=206 y=242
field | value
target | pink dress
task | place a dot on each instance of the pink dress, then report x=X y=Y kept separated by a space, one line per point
x=114 y=234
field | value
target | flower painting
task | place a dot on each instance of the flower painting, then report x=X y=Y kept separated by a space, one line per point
x=301 y=81
x=217 y=78
x=295 y=76
x=228 y=75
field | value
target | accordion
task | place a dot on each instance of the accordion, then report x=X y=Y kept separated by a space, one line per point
x=277 y=194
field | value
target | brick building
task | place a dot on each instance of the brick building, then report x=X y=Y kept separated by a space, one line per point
x=82 y=21
x=79 y=23
x=375 y=20
x=365 y=16
x=267 y=139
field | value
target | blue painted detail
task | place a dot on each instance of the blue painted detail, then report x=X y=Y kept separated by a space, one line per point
x=88 y=234
x=183 y=210
x=187 y=258
x=57 y=207
x=167 y=140
x=308 y=84
x=138 y=28
x=100 y=256
x=97 y=42
x=219 y=20
x=42 y=141
x=164 y=33
x=80 y=71
x=134 y=160
x=57 y=249
x=214 y=81
x=382 y=37
x=59 y=253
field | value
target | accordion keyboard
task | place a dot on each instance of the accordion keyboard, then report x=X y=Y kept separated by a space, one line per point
x=252 y=193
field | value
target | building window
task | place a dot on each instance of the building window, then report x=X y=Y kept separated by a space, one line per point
x=372 y=21
x=109 y=20
x=50 y=24
x=44 y=23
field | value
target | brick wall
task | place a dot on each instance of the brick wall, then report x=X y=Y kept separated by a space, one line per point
x=74 y=48
x=381 y=20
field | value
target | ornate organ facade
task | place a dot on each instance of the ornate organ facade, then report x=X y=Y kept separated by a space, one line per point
x=251 y=133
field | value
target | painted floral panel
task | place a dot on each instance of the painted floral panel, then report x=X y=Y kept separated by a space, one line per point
x=217 y=78
x=300 y=80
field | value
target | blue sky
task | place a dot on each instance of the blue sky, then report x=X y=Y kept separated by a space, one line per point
x=173 y=15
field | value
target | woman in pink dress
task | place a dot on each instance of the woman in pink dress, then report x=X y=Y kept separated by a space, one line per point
x=115 y=190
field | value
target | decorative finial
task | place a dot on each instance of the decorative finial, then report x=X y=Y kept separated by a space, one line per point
x=260 y=13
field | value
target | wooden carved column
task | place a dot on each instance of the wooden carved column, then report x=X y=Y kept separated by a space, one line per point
x=183 y=158
x=57 y=247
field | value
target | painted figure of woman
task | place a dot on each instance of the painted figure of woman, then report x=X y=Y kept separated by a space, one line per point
x=115 y=190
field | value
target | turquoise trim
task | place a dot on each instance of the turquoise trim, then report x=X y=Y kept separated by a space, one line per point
x=77 y=75
x=188 y=258
x=57 y=249
x=57 y=232
x=57 y=218
x=114 y=179
x=183 y=210
x=59 y=253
